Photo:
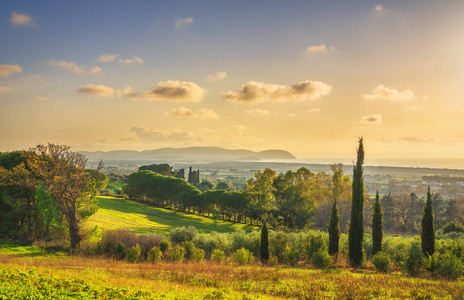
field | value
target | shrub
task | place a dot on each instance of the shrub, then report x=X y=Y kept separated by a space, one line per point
x=176 y=254
x=414 y=260
x=450 y=266
x=243 y=256
x=277 y=245
x=321 y=259
x=164 y=246
x=452 y=227
x=181 y=234
x=292 y=256
x=111 y=238
x=189 y=248
x=134 y=253
x=218 y=255
x=154 y=255
x=120 y=251
x=316 y=244
x=198 y=255
x=382 y=262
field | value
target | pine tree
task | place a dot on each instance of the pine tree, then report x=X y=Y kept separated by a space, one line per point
x=377 y=226
x=428 y=232
x=334 y=229
x=264 y=253
x=355 y=238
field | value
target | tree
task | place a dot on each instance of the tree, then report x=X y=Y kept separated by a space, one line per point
x=222 y=185
x=428 y=231
x=180 y=173
x=264 y=253
x=355 y=237
x=163 y=169
x=101 y=181
x=205 y=185
x=377 y=226
x=193 y=177
x=334 y=222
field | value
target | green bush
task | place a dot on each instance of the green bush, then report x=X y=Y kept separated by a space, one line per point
x=321 y=259
x=218 y=255
x=414 y=260
x=243 y=256
x=133 y=254
x=164 y=246
x=176 y=254
x=452 y=227
x=382 y=262
x=450 y=266
x=181 y=234
x=198 y=255
x=120 y=251
x=277 y=245
x=154 y=255
x=189 y=249
x=314 y=245
x=292 y=256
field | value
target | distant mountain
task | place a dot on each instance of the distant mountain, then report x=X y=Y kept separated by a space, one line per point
x=189 y=154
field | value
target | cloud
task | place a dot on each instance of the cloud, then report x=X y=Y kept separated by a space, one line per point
x=255 y=92
x=304 y=112
x=130 y=61
x=74 y=68
x=379 y=8
x=257 y=112
x=372 y=119
x=319 y=49
x=382 y=92
x=202 y=113
x=153 y=136
x=40 y=99
x=7 y=70
x=107 y=57
x=5 y=89
x=96 y=90
x=176 y=91
x=416 y=140
x=127 y=92
x=217 y=77
x=179 y=23
x=18 y=19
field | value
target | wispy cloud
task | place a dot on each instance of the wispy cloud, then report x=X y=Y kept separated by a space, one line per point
x=202 y=113
x=382 y=92
x=18 y=19
x=258 y=112
x=255 y=92
x=372 y=119
x=131 y=61
x=41 y=99
x=416 y=140
x=263 y=112
x=217 y=77
x=319 y=49
x=179 y=23
x=107 y=57
x=7 y=70
x=74 y=68
x=96 y=90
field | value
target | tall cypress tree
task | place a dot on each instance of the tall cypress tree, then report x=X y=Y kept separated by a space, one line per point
x=334 y=229
x=355 y=238
x=377 y=226
x=264 y=253
x=428 y=232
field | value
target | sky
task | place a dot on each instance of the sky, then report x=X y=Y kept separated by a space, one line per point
x=309 y=77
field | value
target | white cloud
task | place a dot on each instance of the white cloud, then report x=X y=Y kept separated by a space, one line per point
x=217 y=77
x=372 y=119
x=382 y=92
x=18 y=19
x=95 y=70
x=202 y=113
x=127 y=92
x=258 y=112
x=5 y=89
x=74 y=68
x=179 y=23
x=107 y=57
x=7 y=70
x=96 y=90
x=130 y=61
x=40 y=99
x=255 y=92
x=319 y=49
x=176 y=91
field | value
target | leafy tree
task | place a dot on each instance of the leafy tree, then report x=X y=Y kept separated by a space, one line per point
x=334 y=222
x=163 y=169
x=260 y=191
x=355 y=237
x=389 y=211
x=180 y=173
x=377 y=226
x=193 y=177
x=101 y=181
x=428 y=231
x=264 y=253
x=205 y=185
x=222 y=185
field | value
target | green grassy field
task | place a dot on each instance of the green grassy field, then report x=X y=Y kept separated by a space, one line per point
x=115 y=213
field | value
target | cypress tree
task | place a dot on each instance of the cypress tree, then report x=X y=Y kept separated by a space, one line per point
x=428 y=232
x=264 y=253
x=334 y=229
x=377 y=226
x=355 y=238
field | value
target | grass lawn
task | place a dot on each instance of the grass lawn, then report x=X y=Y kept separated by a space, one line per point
x=115 y=213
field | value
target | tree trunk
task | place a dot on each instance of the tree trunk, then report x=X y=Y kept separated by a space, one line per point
x=74 y=235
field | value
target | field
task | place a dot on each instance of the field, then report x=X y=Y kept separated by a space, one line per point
x=114 y=213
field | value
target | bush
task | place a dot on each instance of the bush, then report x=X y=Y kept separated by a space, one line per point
x=181 y=234
x=189 y=248
x=316 y=244
x=176 y=254
x=450 y=266
x=218 y=255
x=321 y=259
x=120 y=251
x=382 y=262
x=243 y=256
x=414 y=260
x=154 y=255
x=452 y=227
x=134 y=253
x=292 y=256
x=277 y=245
x=198 y=255
x=164 y=246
